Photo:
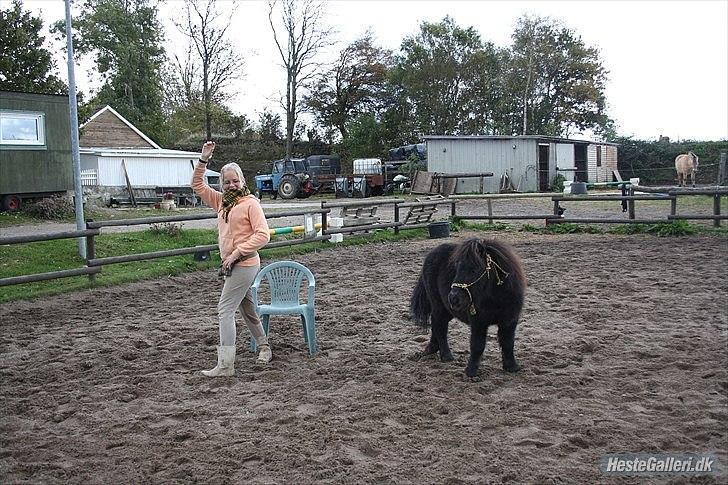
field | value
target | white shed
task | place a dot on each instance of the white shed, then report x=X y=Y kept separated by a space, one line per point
x=115 y=153
x=145 y=167
x=532 y=162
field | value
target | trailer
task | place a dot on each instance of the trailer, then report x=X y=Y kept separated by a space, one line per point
x=35 y=148
x=371 y=176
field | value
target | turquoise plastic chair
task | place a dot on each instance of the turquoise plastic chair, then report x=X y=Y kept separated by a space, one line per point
x=284 y=280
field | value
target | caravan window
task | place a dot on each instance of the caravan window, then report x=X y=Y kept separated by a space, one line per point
x=22 y=128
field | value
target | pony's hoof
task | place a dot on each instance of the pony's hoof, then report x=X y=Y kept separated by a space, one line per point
x=471 y=372
x=430 y=349
x=448 y=357
x=512 y=368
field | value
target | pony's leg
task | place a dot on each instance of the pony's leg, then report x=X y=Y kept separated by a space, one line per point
x=506 y=339
x=478 y=335
x=438 y=340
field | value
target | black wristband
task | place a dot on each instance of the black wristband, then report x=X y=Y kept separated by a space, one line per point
x=203 y=161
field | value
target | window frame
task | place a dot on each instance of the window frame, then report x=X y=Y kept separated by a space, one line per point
x=39 y=118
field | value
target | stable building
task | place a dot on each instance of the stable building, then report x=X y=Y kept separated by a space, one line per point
x=530 y=162
x=116 y=155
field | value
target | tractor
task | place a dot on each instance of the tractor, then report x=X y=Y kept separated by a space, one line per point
x=296 y=177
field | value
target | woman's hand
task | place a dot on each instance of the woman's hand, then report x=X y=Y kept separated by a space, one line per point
x=229 y=262
x=207 y=150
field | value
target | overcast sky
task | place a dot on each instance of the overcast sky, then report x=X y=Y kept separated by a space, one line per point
x=667 y=60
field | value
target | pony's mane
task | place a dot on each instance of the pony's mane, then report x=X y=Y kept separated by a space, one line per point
x=472 y=250
x=468 y=251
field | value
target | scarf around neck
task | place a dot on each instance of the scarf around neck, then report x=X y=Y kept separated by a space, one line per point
x=230 y=198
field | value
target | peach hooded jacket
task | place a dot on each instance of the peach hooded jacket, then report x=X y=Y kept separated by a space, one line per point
x=246 y=230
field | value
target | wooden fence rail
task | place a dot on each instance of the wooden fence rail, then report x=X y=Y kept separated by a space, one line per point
x=94 y=265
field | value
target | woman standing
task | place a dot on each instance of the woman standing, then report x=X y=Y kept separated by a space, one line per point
x=242 y=230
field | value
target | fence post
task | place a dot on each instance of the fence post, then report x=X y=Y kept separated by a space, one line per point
x=324 y=221
x=90 y=251
x=490 y=212
x=630 y=203
x=716 y=209
x=673 y=205
x=722 y=175
x=452 y=210
x=396 y=217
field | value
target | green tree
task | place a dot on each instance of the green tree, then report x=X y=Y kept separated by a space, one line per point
x=125 y=38
x=352 y=86
x=557 y=80
x=435 y=69
x=25 y=65
x=270 y=126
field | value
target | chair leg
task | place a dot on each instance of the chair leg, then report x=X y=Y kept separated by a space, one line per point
x=303 y=327
x=310 y=323
x=265 y=321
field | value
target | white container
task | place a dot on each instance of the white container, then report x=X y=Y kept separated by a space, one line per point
x=367 y=166
x=336 y=238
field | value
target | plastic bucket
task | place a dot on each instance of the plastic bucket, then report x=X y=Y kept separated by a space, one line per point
x=439 y=229
x=578 y=187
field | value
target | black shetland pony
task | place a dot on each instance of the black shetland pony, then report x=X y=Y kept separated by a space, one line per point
x=481 y=282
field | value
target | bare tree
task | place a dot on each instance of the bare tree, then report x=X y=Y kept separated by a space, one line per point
x=216 y=60
x=301 y=39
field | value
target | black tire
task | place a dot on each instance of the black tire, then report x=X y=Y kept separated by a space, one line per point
x=289 y=186
x=11 y=203
x=257 y=194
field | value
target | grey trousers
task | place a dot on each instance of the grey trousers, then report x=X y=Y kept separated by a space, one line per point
x=236 y=294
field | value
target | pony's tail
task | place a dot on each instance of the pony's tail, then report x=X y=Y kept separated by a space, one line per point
x=420 y=304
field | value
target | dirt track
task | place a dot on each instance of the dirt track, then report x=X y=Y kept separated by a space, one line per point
x=624 y=348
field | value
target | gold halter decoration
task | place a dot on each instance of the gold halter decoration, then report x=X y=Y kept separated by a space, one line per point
x=489 y=263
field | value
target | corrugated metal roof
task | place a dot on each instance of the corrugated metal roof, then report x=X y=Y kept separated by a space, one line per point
x=138 y=152
x=517 y=137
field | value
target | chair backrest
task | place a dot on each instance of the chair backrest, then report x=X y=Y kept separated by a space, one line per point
x=284 y=279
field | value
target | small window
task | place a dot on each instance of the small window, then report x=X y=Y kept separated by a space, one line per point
x=22 y=128
x=599 y=156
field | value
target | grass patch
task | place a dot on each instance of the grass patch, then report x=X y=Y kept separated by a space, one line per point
x=459 y=224
x=47 y=256
x=674 y=228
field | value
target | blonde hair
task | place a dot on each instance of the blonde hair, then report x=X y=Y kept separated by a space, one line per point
x=235 y=168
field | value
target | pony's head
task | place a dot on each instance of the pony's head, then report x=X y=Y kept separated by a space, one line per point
x=695 y=160
x=478 y=266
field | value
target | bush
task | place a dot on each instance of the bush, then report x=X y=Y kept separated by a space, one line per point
x=54 y=207
x=557 y=184
x=166 y=228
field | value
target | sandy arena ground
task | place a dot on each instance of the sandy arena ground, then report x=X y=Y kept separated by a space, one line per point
x=623 y=342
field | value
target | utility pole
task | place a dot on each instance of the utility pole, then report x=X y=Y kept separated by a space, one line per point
x=73 y=113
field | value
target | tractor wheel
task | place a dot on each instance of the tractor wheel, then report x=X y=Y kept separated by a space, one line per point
x=11 y=203
x=289 y=187
x=257 y=194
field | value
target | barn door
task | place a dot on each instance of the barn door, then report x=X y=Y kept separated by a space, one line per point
x=543 y=167
x=565 y=160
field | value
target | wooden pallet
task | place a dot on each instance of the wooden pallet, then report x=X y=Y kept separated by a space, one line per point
x=359 y=216
x=422 y=214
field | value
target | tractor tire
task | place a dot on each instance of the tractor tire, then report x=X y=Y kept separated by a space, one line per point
x=11 y=203
x=257 y=194
x=289 y=186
